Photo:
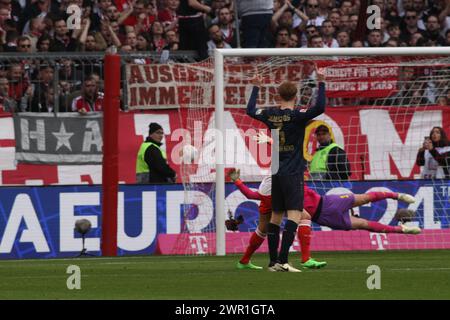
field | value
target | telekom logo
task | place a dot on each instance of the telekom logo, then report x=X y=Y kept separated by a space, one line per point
x=199 y=243
x=379 y=240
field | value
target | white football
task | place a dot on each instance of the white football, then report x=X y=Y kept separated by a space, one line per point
x=189 y=153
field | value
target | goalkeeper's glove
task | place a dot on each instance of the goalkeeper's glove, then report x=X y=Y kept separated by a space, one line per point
x=232 y=224
x=234 y=174
x=261 y=138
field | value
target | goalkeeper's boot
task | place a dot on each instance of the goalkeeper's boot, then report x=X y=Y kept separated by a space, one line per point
x=313 y=264
x=410 y=230
x=406 y=198
x=248 y=265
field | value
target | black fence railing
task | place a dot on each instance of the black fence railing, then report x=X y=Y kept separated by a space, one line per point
x=51 y=81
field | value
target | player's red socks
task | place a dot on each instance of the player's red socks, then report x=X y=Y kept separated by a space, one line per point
x=304 y=237
x=255 y=242
x=378 y=195
x=383 y=228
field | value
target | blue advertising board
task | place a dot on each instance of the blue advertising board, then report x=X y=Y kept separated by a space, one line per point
x=38 y=222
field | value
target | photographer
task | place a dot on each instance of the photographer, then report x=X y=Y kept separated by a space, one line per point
x=434 y=155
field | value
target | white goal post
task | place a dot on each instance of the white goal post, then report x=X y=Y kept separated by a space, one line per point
x=220 y=54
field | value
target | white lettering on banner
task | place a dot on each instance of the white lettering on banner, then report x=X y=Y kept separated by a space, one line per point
x=391 y=207
x=384 y=72
x=199 y=243
x=174 y=201
x=235 y=199
x=236 y=154
x=92 y=137
x=149 y=224
x=379 y=240
x=200 y=203
x=383 y=85
x=27 y=135
x=63 y=137
x=203 y=203
x=68 y=202
x=388 y=145
x=425 y=195
x=341 y=86
x=23 y=209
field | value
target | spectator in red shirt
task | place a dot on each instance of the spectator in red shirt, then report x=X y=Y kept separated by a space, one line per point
x=140 y=18
x=90 y=100
x=17 y=83
x=168 y=16
x=226 y=26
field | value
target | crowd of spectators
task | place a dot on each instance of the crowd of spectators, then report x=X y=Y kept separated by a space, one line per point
x=28 y=26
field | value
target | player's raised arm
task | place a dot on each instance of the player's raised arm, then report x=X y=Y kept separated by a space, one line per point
x=252 y=111
x=319 y=107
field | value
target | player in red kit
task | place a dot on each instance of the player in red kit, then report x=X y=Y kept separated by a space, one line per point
x=328 y=210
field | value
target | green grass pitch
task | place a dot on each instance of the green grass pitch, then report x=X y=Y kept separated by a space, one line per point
x=404 y=275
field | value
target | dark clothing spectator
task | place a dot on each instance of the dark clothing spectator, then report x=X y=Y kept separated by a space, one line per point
x=39 y=101
x=64 y=44
x=32 y=10
x=256 y=17
x=192 y=30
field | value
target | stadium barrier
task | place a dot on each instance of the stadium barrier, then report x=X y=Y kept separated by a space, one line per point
x=38 y=222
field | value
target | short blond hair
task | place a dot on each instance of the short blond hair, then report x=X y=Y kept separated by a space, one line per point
x=287 y=91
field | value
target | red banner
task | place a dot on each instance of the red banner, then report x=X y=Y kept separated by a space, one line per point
x=178 y=85
x=381 y=143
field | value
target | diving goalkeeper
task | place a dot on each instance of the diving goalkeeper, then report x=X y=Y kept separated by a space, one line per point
x=328 y=210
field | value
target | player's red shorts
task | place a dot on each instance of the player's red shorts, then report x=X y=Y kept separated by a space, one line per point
x=265 y=206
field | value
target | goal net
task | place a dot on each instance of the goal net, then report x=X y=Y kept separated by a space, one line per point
x=380 y=109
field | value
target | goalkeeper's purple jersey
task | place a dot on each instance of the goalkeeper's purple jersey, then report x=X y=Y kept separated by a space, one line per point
x=291 y=126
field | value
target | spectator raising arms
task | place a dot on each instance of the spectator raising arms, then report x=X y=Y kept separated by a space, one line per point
x=434 y=156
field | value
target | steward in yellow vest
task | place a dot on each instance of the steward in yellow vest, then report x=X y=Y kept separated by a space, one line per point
x=330 y=160
x=151 y=162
